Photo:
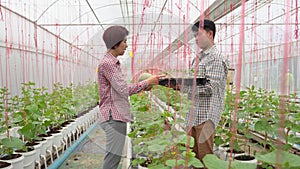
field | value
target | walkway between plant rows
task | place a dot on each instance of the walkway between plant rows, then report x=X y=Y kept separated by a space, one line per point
x=90 y=152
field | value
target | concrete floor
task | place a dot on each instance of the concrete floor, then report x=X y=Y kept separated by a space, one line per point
x=90 y=152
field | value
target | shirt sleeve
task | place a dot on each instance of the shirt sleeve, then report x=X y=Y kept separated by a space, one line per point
x=137 y=87
x=115 y=77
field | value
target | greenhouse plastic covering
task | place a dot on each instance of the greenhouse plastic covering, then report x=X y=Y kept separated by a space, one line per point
x=50 y=41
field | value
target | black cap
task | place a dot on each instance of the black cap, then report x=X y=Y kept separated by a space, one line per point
x=206 y=24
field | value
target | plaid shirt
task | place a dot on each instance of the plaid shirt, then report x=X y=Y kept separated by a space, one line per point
x=114 y=91
x=208 y=99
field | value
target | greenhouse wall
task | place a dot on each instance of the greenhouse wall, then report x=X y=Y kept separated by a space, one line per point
x=263 y=68
x=31 y=53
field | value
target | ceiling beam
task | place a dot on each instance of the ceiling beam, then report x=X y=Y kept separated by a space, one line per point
x=122 y=11
x=182 y=24
x=94 y=14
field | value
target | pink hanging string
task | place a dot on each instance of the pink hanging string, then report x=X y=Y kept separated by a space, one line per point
x=238 y=79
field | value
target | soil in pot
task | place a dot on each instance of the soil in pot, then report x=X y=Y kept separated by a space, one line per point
x=29 y=144
x=53 y=132
x=226 y=146
x=55 y=129
x=4 y=164
x=23 y=151
x=11 y=156
x=235 y=151
x=45 y=135
x=244 y=158
x=64 y=124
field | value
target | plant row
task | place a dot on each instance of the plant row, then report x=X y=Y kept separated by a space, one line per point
x=37 y=111
x=264 y=112
x=157 y=143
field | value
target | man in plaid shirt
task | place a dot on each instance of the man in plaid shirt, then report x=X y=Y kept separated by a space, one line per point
x=114 y=92
x=208 y=99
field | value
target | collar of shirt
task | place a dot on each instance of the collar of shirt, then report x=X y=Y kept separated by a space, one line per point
x=209 y=50
x=205 y=53
x=211 y=53
x=112 y=57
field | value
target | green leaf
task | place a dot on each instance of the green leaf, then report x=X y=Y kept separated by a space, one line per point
x=171 y=163
x=296 y=128
x=213 y=162
x=218 y=140
x=32 y=108
x=13 y=143
x=174 y=162
x=249 y=135
x=132 y=134
x=261 y=125
x=138 y=161
x=159 y=166
x=156 y=147
x=28 y=131
x=195 y=162
x=143 y=109
x=189 y=154
x=183 y=139
x=239 y=165
x=285 y=158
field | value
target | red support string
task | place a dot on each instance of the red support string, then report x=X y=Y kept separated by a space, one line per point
x=238 y=78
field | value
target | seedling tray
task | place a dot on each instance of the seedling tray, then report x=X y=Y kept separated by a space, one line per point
x=178 y=81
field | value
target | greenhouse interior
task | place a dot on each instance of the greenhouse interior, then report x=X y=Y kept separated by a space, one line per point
x=228 y=101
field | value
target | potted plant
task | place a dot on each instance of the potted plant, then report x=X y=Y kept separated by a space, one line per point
x=156 y=147
x=7 y=153
x=30 y=116
x=249 y=106
x=213 y=162
x=291 y=123
x=8 y=144
x=223 y=134
x=267 y=124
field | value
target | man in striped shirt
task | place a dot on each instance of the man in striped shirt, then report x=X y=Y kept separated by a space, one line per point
x=114 y=92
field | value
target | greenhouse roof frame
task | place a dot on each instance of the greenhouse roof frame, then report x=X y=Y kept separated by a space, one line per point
x=159 y=24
